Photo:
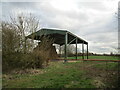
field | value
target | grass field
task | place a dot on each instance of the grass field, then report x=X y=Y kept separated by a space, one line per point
x=97 y=57
x=66 y=75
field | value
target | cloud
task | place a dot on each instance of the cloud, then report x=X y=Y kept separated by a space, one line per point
x=92 y=21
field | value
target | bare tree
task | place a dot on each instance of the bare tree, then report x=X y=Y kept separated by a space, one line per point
x=10 y=38
x=25 y=25
x=70 y=49
x=14 y=40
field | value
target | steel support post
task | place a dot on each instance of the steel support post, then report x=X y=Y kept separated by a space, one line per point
x=66 y=41
x=83 y=50
x=60 y=51
x=71 y=41
x=76 y=48
x=87 y=50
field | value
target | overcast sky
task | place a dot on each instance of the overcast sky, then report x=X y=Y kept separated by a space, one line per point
x=96 y=22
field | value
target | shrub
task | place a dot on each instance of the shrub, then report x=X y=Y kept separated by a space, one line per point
x=42 y=53
x=17 y=51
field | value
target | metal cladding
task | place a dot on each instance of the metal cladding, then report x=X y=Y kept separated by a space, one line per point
x=58 y=35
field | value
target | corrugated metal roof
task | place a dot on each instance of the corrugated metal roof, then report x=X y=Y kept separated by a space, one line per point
x=58 y=35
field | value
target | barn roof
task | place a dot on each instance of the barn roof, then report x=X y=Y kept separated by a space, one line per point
x=58 y=35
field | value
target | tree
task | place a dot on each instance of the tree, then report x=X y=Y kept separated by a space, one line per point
x=26 y=25
x=70 y=49
x=14 y=43
x=11 y=38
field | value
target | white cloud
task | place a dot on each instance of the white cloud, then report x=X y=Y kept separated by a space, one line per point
x=93 y=21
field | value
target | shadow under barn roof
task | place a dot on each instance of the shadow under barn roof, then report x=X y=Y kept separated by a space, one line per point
x=57 y=35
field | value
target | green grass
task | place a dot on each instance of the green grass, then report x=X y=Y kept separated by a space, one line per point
x=57 y=75
x=98 y=57
x=61 y=75
x=108 y=66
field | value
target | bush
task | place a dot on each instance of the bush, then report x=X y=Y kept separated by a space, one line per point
x=18 y=52
x=38 y=58
x=42 y=53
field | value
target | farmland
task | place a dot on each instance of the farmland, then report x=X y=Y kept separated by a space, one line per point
x=97 y=57
x=78 y=74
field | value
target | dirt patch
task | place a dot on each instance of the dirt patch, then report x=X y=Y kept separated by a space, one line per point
x=14 y=74
x=27 y=71
x=102 y=77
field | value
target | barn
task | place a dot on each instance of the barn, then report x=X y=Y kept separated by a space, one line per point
x=61 y=37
